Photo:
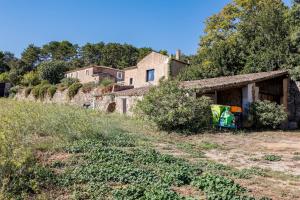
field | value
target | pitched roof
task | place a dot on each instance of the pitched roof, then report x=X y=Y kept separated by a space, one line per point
x=231 y=81
x=92 y=66
x=134 y=92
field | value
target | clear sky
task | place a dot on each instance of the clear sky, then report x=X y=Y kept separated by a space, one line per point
x=160 y=24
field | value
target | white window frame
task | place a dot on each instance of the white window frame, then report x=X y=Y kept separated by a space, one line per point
x=119 y=75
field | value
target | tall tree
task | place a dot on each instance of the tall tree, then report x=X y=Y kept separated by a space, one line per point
x=245 y=36
x=31 y=56
x=64 y=51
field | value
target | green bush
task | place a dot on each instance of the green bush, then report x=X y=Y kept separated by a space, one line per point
x=52 y=71
x=36 y=91
x=27 y=91
x=106 y=82
x=14 y=90
x=73 y=89
x=31 y=79
x=69 y=81
x=4 y=77
x=267 y=114
x=87 y=87
x=52 y=90
x=172 y=108
x=43 y=90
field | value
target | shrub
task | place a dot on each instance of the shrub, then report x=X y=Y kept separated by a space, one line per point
x=27 y=91
x=69 y=81
x=106 y=82
x=267 y=114
x=73 y=89
x=87 y=87
x=4 y=77
x=14 y=90
x=36 y=91
x=173 y=108
x=31 y=79
x=52 y=71
x=52 y=90
x=43 y=90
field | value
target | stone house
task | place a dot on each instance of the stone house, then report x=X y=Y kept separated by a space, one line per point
x=239 y=90
x=95 y=74
x=153 y=68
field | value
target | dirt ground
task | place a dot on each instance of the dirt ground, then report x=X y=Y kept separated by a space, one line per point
x=247 y=150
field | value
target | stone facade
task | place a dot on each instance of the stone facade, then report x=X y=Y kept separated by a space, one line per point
x=163 y=67
x=96 y=74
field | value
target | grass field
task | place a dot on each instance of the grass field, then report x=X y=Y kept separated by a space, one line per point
x=64 y=152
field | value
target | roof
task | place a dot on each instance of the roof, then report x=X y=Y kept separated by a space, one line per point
x=129 y=68
x=232 y=81
x=134 y=92
x=92 y=66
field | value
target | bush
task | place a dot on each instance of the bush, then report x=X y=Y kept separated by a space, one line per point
x=31 y=79
x=52 y=90
x=52 y=71
x=106 y=82
x=27 y=91
x=14 y=90
x=87 y=87
x=69 y=81
x=73 y=89
x=173 y=108
x=4 y=77
x=267 y=114
x=41 y=90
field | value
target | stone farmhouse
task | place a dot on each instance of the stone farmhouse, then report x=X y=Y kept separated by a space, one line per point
x=95 y=74
x=153 y=68
x=147 y=72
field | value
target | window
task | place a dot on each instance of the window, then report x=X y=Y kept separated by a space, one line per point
x=87 y=72
x=119 y=75
x=150 y=75
x=130 y=81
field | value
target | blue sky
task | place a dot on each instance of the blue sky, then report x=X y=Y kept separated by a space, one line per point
x=160 y=24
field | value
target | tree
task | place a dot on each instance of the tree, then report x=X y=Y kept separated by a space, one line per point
x=64 y=51
x=92 y=53
x=31 y=79
x=31 y=56
x=52 y=71
x=245 y=36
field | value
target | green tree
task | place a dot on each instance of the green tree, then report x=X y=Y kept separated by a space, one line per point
x=31 y=79
x=31 y=56
x=92 y=53
x=63 y=50
x=245 y=36
x=52 y=71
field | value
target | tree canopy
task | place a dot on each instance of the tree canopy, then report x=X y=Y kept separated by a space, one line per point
x=248 y=36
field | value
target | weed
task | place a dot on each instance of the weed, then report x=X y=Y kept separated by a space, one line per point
x=272 y=158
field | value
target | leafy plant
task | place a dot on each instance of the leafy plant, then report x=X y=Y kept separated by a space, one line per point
x=272 y=158
x=88 y=87
x=267 y=114
x=175 y=109
x=69 y=81
x=106 y=82
x=73 y=89
x=52 y=71
x=31 y=79
x=52 y=90
x=4 y=77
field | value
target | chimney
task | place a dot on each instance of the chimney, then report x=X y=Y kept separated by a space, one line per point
x=178 y=54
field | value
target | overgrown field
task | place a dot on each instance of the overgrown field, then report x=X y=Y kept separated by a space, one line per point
x=52 y=151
